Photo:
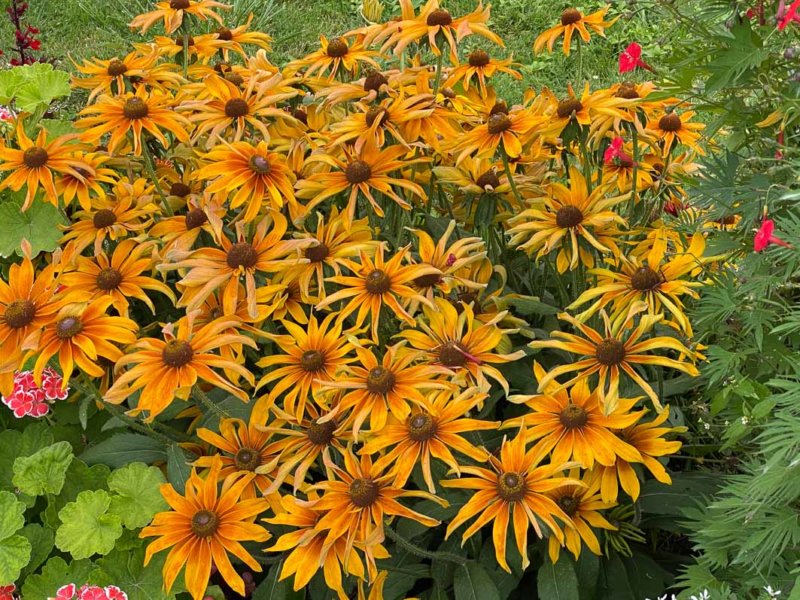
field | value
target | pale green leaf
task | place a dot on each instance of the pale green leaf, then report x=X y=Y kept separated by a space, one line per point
x=137 y=496
x=43 y=472
x=39 y=225
x=11 y=515
x=14 y=555
x=87 y=527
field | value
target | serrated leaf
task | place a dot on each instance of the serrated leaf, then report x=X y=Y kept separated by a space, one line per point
x=127 y=571
x=86 y=527
x=42 y=540
x=11 y=515
x=137 y=496
x=41 y=84
x=123 y=448
x=14 y=444
x=558 y=581
x=43 y=472
x=10 y=82
x=55 y=573
x=39 y=225
x=472 y=582
x=14 y=555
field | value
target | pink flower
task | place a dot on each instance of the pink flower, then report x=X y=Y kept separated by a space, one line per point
x=790 y=16
x=28 y=399
x=92 y=592
x=51 y=384
x=764 y=237
x=114 y=593
x=631 y=58
x=66 y=592
x=615 y=155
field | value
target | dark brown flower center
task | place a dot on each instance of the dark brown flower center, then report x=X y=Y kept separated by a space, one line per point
x=109 y=279
x=511 y=487
x=479 y=58
x=312 y=361
x=300 y=115
x=358 y=172
x=35 y=157
x=363 y=492
x=242 y=254
x=380 y=380
x=177 y=353
x=247 y=459
x=376 y=113
x=104 y=218
x=488 y=180
x=499 y=108
x=421 y=427
x=644 y=279
x=451 y=354
x=135 y=108
x=573 y=416
x=427 y=281
x=236 y=107
x=195 y=218
x=498 y=123
x=68 y=327
x=610 y=352
x=337 y=48
x=440 y=17
x=260 y=164
x=374 y=81
x=235 y=78
x=19 y=313
x=567 y=107
x=116 y=68
x=569 y=216
x=378 y=282
x=181 y=38
x=570 y=16
x=224 y=34
x=448 y=92
x=321 y=434
x=569 y=504
x=179 y=189
x=204 y=522
x=726 y=220
x=670 y=122
x=317 y=253
x=627 y=90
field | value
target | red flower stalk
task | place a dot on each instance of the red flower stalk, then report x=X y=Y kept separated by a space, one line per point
x=764 y=237
x=631 y=58
x=615 y=155
x=25 y=42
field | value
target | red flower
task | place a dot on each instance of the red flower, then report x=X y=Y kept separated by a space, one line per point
x=764 y=237
x=615 y=155
x=790 y=16
x=631 y=58
x=7 y=592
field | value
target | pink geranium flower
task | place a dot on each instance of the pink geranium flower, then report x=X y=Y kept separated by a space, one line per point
x=7 y=592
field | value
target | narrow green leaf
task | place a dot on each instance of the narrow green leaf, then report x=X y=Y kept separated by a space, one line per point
x=123 y=448
x=472 y=582
x=558 y=581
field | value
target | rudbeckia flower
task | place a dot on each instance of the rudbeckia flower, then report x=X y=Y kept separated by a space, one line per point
x=172 y=12
x=572 y=21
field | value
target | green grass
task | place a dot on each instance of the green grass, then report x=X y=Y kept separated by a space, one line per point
x=78 y=29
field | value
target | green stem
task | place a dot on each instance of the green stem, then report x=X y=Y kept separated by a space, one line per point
x=185 y=31
x=438 y=80
x=509 y=174
x=414 y=549
x=209 y=403
x=151 y=171
x=580 y=64
x=634 y=190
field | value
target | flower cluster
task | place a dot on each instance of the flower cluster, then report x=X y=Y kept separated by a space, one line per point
x=332 y=242
x=7 y=592
x=25 y=40
x=89 y=592
x=29 y=399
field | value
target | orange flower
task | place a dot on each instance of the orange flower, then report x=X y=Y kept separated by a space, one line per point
x=172 y=13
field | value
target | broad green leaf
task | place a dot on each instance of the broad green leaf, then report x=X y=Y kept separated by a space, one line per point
x=14 y=555
x=123 y=448
x=127 y=571
x=472 y=582
x=178 y=469
x=273 y=589
x=43 y=472
x=39 y=225
x=10 y=82
x=87 y=527
x=55 y=573
x=14 y=444
x=42 y=90
x=138 y=497
x=11 y=515
x=42 y=540
x=558 y=581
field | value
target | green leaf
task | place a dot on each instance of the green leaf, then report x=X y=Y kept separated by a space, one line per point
x=14 y=555
x=87 y=528
x=14 y=444
x=43 y=472
x=138 y=497
x=42 y=90
x=11 y=515
x=558 y=581
x=55 y=573
x=123 y=448
x=42 y=540
x=39 y=225
x=10 y=82
x=127 y=571
x=178 y=469
x=273 y=589
x=474 y=583
x=587 y=570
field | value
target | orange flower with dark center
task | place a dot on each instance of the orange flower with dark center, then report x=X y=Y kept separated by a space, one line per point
x=172 y=13
x=574 y=21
